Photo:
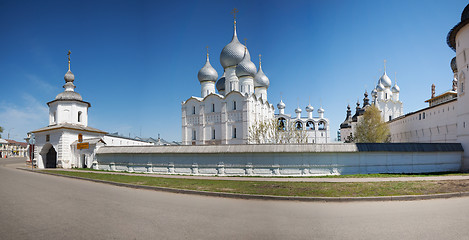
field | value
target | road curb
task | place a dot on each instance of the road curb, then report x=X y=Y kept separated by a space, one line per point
x=268 y=197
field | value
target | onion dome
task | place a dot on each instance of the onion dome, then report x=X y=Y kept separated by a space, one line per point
x=320 y=110
x=454 y=67
x=385 y=80
x=281 y=105
x=374 y=92
x=380 y=87
x=261 y=80
x=396 y=88
x=69 y=76
x=233 y=53
x=221 y=83
x=451 y=37
x=309 y=108
x=207 y=72
x=298 y=110
x=246 y=67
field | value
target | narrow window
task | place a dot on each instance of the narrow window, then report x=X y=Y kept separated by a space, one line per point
x=420 y=116
x=47 y=138
x=234 y=105
x=79 y=117
x=213 y=134
x=389 y=118
x=193 y=135
x=213 y=107
x=423 y=115
x=234 y=132
x=193 y=110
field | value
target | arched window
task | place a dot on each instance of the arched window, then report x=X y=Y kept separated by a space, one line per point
x=310 y=125
x=282 y=124
x=54 y=117
x=321 y=125
x=79 y=116
x=299 y=125
x=213 y=107
x=234 y=105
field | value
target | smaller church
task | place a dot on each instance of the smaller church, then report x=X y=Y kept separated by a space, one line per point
x=68 y=141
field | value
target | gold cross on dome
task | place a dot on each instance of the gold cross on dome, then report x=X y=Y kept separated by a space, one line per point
x=234 y=12
x=207 y=49
x=69 y=52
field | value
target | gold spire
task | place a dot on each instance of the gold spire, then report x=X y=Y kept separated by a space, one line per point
x=69 y=52
x=207 y=51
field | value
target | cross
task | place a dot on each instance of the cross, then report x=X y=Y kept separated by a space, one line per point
x=69 y=52
x=260 y=61
x=207 y=49
x=234 y=13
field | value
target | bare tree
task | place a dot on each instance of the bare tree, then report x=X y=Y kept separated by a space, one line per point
x=271 y=132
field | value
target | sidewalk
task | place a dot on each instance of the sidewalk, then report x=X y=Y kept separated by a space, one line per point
x=281 y=179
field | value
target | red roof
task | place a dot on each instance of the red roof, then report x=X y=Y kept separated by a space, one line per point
x=23 y=144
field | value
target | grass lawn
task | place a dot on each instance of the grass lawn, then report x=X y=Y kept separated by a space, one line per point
x=305 y=189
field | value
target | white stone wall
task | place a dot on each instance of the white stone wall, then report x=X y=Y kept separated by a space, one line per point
x=123 y=141
x=289 y=163
x=435 y=124
x=67 y=112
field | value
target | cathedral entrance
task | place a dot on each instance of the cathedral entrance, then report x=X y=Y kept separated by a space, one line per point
x=51 y=158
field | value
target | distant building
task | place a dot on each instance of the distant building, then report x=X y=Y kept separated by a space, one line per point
x=12 y=148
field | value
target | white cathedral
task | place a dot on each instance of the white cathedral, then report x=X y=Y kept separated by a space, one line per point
x=385 y=97
x=225 y=117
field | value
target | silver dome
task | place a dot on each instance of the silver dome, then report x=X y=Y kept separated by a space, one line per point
x=380 y=87
x=261 y=80
x=309 y=108
x=298 y=110
x=221 y=83
x=454 y=67
x=385 y=80
x=320 y=110
x=396 y=88
x=374 y=92
x=207 y=72
x=281 y=105
x=69 y=76
x=69 y=95
x=246 y=67
x=233 y=53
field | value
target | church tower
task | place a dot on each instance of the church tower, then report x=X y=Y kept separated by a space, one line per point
x=458 y=40
x=68 y=106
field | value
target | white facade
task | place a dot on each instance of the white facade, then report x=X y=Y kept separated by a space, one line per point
x=226 y=117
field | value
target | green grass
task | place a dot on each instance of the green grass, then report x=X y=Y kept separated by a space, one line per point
x=373 y=175
x=305 y=189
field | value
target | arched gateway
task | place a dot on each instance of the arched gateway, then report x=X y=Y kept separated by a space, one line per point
x=51 y=158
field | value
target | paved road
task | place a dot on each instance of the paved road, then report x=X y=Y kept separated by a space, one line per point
x=36 y=206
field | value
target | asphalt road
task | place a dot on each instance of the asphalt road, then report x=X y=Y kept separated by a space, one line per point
x=37 y=206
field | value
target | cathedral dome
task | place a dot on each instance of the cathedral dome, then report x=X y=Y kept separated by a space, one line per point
x=281 y=105
x=233 y=53
x=69 y=76
x=454 y=67
x=380 y=87
x=261 y=80
x=246 y=67
x=298 y=110
x=207 y=72
x=374 y=92
x=309 y=108
x=69 y=95
x=221 y=83
x=385 y=80
x=396 y=88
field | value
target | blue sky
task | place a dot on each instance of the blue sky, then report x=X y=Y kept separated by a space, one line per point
x=136 y=61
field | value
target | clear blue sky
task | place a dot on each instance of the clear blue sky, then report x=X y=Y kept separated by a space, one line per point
x=135 y=61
